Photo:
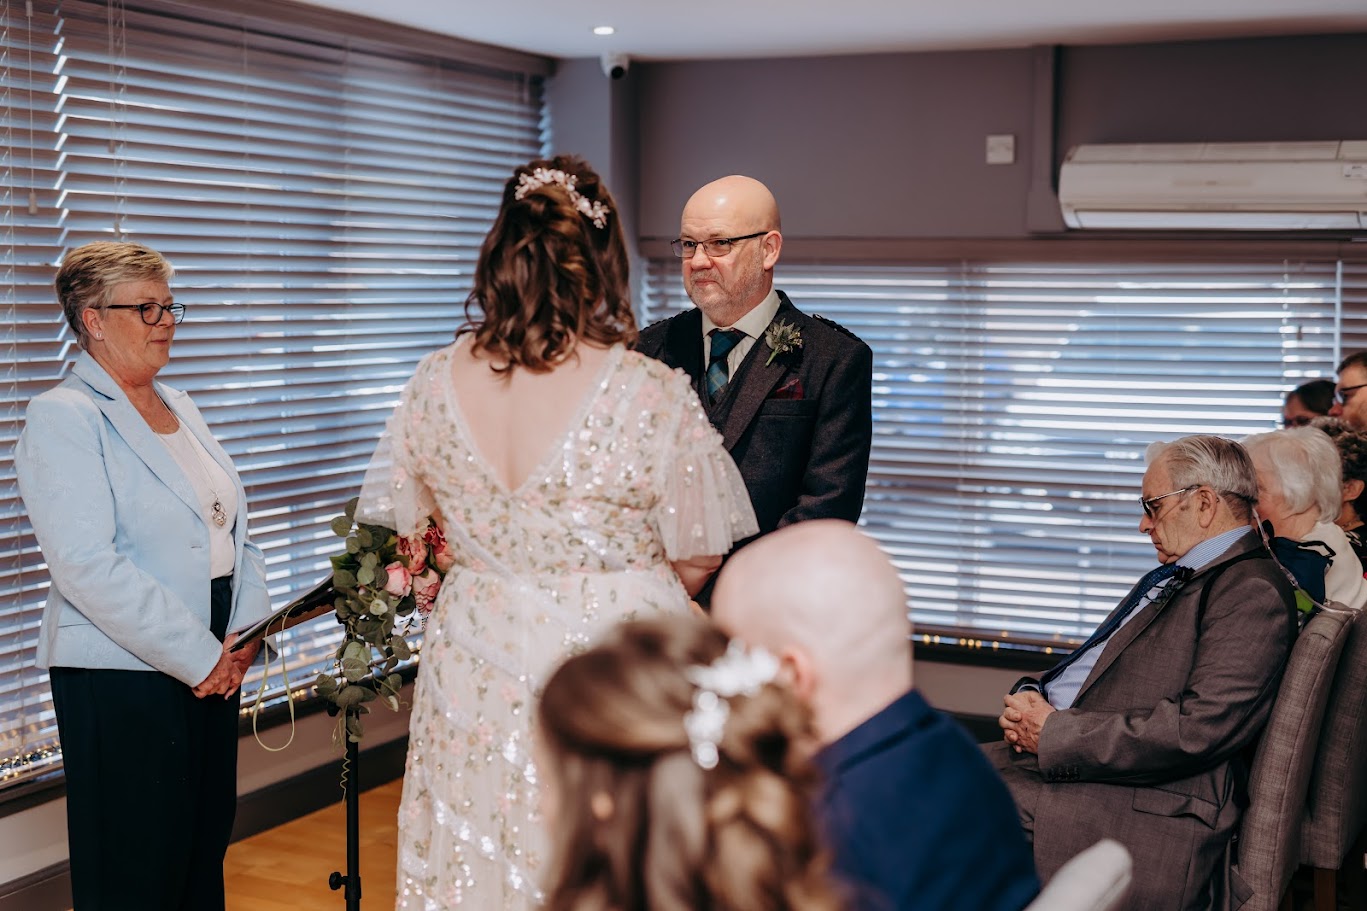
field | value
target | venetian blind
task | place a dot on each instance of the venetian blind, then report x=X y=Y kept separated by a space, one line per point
x=323 y=206
x=1013 y=402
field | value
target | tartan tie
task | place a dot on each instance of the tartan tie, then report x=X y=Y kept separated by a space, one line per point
x=1156 y=576
x=723 y=340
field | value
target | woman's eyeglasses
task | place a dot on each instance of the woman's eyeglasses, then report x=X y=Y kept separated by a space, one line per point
x=151 y=313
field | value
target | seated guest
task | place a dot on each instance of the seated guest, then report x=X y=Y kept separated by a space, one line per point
x=1352 y=447
x=914 y=813
x=1140 y=734
x=676 y=775
x=1300 y=492
x=1350 y=392
x=1307 y=402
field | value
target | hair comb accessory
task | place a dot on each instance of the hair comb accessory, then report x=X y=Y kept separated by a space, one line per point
x=737 y=672
x=594 y=211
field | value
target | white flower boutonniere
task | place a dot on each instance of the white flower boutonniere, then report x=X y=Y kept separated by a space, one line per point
x=781 y=338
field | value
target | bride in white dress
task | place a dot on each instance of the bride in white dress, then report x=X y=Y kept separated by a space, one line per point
x=578 y=484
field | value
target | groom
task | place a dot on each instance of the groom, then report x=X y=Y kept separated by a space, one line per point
x=789 y=393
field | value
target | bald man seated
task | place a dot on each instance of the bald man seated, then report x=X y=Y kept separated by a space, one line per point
x=790 y=393
x=913 y=813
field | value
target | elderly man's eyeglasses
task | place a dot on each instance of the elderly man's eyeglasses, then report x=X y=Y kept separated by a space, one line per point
x=1344 y=393
x=1150 y=504
x=151 y=313
x=715 y=249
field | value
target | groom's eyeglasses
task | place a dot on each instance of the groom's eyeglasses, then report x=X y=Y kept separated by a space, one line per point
x=715 y=249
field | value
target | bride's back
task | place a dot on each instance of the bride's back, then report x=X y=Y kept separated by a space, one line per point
x=549 y=300
x=515 y=418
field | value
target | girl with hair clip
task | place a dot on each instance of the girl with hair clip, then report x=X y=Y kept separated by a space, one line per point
x=675 y=777
x=577 y=483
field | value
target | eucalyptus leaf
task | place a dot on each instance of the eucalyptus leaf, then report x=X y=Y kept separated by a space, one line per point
x=341 y=526
x=342 y=578
x=352 y=545
x=364 y=536
x=351 y=695
x=393 y=702
x=326 y=685
x=355 y=730
x=354 y=671
x=366 y=574
x=399 y=646
x=350 y=508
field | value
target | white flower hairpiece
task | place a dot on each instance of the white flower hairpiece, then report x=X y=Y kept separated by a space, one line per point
x=737 y=672
x=594 y=211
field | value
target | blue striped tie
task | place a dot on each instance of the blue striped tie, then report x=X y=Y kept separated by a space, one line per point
x=723 y=340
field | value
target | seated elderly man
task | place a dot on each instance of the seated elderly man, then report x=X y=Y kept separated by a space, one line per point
x=912 y=811
x=1140 y=733
x=1300 y=492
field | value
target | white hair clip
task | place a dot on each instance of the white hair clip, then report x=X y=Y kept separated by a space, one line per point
x=737 y=672
x=594 y=211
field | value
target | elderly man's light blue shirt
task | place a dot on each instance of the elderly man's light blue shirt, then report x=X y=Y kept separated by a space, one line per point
x=1064 y=688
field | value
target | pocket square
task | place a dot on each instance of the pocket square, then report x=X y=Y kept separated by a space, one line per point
x=791 y=389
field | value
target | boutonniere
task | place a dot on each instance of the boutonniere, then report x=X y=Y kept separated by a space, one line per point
x=781 y=338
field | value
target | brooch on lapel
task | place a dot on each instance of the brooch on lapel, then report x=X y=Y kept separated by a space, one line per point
x=781 y=338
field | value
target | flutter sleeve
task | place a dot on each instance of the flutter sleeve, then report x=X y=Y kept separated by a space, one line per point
x=704 y=507
x=394 y=493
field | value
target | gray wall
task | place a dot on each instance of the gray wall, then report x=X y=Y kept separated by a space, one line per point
x=892 y=146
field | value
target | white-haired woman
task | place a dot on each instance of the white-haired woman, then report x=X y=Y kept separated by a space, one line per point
x=1300 y=493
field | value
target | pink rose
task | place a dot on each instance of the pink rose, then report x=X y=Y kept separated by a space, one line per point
x=414 y=547
x=399 y=581
x=441 y=551
x=425 y=588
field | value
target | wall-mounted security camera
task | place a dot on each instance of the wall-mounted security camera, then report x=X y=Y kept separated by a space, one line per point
x=615 y=65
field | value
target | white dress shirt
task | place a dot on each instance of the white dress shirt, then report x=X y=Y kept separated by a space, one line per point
x=752 y=324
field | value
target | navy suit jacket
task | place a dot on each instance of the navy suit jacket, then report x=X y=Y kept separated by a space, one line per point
x=917 y=819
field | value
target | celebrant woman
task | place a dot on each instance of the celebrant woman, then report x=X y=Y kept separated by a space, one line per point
x=578 y=483
x=143 y=523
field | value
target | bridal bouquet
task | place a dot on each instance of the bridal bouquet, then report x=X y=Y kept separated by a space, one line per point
x=380 y=582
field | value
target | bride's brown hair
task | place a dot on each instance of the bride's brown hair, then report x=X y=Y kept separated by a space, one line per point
x=637 y=824
x=553 y=270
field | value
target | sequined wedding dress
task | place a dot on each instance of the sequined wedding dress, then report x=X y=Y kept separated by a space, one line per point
x=638 y=478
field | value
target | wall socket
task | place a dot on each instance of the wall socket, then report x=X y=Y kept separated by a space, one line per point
x=1001 y=148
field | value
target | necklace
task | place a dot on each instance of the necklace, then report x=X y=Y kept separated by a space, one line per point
x=216 y=512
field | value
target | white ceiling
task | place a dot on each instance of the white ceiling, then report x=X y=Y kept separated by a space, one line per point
x=700 y=29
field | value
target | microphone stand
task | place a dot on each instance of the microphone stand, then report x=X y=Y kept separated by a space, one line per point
x=351 y=775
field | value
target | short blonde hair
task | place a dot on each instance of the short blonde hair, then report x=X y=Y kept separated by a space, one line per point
x=89 y=273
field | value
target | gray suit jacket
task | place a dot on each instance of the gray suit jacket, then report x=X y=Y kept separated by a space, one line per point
x=1152 y=753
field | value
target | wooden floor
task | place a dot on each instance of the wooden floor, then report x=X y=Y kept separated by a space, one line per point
x=287 y=868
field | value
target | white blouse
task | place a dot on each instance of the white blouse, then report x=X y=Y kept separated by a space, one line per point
x=212 y=485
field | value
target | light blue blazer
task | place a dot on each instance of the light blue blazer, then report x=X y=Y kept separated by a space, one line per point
x=125 y=539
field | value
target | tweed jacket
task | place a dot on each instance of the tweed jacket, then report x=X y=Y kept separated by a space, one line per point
x=125 y=539
x=1153 y=751
x=799 y=428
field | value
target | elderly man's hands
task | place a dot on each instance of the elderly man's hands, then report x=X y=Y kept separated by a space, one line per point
x=1024 y=717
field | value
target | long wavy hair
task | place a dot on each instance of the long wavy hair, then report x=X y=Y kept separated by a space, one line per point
x=549 y=277
x=636 y=823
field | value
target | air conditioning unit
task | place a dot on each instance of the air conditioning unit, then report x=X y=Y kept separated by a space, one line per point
x=1238 y=186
